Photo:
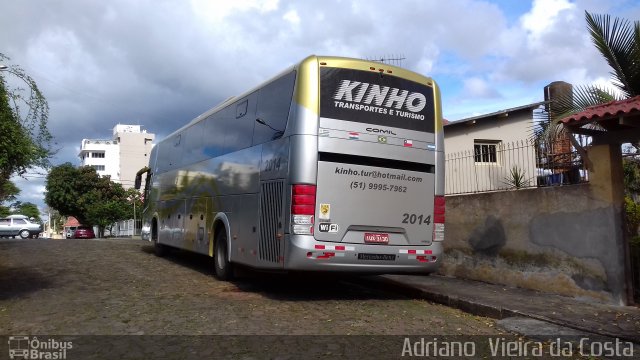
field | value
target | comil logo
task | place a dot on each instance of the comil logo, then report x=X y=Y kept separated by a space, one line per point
x=387 y=97
x=25 y=347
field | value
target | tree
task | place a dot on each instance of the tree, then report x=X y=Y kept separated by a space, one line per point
x=135 y=199
x=62 y=192
x=28 y=209
x=10 y=191
x=107 y=205
x=56 y=221
x=25 y=139
x=618 y=41
x=619 y=44
x=83 y=194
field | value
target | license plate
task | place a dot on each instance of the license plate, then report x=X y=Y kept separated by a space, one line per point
x=383 y=257
x=376 y=238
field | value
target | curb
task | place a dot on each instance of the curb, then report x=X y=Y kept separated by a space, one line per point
x=487 y=310
x=475 y=308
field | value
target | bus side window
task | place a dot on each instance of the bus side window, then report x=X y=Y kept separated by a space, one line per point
x=241 y=108
x=163 y=158
x=175 y=157
x=274 y=101
x=213 y=140
x=192 y=144
x=238 y=129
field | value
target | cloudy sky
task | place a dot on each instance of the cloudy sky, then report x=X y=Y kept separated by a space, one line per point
x=160 y=63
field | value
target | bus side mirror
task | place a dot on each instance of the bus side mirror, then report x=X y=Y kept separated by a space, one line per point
x=138 y=181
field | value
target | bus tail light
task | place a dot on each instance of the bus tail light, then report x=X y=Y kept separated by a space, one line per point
x=303 y=207
x=438 y=218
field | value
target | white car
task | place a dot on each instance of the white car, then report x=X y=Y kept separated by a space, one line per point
x=19 y=225
x=70 y=232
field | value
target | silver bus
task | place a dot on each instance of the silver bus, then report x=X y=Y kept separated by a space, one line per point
x=336 y=164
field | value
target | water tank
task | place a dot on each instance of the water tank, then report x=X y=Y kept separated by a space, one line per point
x=558 y=95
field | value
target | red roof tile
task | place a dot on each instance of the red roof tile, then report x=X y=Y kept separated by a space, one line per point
x=71 y=221
x=606 y=110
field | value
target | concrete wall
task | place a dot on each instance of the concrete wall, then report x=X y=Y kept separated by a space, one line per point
x=564 y=240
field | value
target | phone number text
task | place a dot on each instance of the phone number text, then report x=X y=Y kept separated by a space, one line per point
x=362 y=185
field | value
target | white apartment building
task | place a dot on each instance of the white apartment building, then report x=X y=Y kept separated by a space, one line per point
x=120 y=157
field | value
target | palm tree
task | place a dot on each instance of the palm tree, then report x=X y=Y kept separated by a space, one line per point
x=619 y=43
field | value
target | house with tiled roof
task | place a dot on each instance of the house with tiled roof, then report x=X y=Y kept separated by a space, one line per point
x=70 y=226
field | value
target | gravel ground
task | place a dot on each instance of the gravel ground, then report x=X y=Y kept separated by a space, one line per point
x=118 y=287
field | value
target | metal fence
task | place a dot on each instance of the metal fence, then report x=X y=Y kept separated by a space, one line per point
x=125 y=228
x=496 y=166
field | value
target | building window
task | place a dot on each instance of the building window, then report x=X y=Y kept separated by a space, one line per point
x=485 y=151
x=99 y=155
x=98 y=167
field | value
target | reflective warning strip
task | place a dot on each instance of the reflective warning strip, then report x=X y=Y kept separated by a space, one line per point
x=324 y=255
x=417 y=252
x=335 y=247
x=419 y=258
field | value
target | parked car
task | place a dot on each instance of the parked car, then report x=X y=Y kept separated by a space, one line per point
x=70 y=232
x=19 y=225
x=84 y=232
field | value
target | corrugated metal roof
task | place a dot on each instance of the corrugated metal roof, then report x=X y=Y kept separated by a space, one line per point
x=605 y=111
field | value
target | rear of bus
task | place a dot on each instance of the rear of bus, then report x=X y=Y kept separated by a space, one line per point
x=376 y=203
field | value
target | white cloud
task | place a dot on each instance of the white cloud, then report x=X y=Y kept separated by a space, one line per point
x=292 y=17
x=161 y=63
x=217 y=10
x=543 y=17
x=478 y=88
x=32 y=188
x=550 y=42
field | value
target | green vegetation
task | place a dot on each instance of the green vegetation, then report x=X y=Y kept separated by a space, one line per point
x=516 y=178
x=93 y=200
x=618 y=41
x=27 y=209
x=631 y=170
x=25 y=139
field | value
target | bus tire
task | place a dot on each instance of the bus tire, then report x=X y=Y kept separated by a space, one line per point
x=159 y=250
x=223 y=268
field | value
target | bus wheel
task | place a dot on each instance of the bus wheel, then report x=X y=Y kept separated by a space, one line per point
x=159 y=249
x=223 y=269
